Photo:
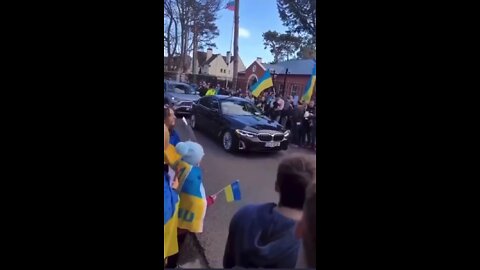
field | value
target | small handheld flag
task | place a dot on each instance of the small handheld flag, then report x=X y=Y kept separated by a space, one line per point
x=307 y=96
x=263 y=83
x=232 y=192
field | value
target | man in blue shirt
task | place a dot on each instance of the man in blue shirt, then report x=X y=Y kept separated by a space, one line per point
x=263 y=235
x=169 y=121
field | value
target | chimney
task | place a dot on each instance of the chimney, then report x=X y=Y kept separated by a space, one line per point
x=209 y=53
x=229 y=57
x=259 y=59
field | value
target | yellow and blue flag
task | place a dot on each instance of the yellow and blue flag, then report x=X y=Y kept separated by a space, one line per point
x=263 y=83
x=170 y=219
x=232 y=192
x=170 y=156
x=307 y=96
x=193 y=200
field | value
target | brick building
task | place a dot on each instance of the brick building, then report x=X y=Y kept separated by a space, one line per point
x=289 y=77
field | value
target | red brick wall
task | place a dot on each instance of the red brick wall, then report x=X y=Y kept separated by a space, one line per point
x=297 y=82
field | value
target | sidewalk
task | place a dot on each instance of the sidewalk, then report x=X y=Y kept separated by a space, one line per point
x=191 y=254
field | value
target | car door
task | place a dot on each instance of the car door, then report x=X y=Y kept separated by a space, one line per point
x=214 y=117
x=201 y=111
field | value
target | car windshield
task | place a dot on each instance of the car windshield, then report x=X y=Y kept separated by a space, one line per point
x=183 y=89
x=238 y=107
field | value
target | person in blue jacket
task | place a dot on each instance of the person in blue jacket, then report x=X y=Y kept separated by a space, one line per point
x=263 y=235
x=169 y=120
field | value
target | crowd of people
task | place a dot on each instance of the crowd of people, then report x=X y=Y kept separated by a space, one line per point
x=270 y=235
x=295 y=115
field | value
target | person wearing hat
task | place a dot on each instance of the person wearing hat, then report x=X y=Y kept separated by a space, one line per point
x=193 y=201
x=170 y=210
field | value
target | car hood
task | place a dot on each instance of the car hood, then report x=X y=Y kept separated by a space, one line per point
x=256 y=122
x=186 y=97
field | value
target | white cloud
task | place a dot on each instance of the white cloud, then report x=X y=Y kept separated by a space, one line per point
x=242 y=32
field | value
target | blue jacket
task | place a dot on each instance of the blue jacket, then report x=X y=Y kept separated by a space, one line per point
x=260 y=237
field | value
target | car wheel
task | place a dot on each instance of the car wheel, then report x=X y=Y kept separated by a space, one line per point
x=193 y=121
x=229 y=142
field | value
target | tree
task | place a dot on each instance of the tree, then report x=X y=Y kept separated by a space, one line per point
x=170 y=32
x=189 y=25
x=282 y=46
x=300 y=16
x=204 y=28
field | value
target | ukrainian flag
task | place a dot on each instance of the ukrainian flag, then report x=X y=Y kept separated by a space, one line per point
x=232 y=192
x=307 y=96
x=170 y=219
x=262 y=84
x=193 y=200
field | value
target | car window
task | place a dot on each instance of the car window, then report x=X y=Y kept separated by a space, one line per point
x=214 y=104
x=205 y=101
x=233 y=107
x=182 y=89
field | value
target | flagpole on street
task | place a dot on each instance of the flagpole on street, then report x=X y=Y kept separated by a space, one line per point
x=235 y=45
x=230 y=49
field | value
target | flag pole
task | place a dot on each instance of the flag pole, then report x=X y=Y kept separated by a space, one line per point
x=214 y=194
x=235 y=44
x=218 y=192
x=230 y=49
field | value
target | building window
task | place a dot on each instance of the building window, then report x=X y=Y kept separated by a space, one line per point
x=294 y=90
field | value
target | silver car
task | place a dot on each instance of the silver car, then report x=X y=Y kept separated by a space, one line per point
x=180 y=96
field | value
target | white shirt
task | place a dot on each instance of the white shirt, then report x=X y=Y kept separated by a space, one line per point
x=281 y=104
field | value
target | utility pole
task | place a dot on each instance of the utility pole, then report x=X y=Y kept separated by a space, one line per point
x=235 y=45
x=285 y=82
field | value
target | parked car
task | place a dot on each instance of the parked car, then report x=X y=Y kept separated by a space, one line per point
x=180 y=96
x=238 y=124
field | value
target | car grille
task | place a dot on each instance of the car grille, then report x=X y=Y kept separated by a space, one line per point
x=265 y=137
x=185 y=103
x=278 y=137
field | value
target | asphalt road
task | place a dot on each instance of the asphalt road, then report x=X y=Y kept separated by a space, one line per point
x=256 y=172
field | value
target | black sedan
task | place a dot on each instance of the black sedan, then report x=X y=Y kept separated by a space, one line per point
x=238 y=124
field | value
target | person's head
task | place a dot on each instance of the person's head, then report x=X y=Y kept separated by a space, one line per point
x=191 y=152
x=311 y=103
x=307 y=227
x=293 y=176
x=169 y=117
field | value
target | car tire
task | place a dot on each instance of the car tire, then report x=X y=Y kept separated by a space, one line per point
x=193 y=122
x=229 y=142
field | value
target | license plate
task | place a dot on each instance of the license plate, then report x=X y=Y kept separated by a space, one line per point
x=272 y=144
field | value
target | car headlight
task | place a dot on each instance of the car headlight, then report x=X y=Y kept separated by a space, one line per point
x=287 y=133
x=245 y=133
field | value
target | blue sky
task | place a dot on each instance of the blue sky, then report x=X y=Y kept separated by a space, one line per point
x=256 y=17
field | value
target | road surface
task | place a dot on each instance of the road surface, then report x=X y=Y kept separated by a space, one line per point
x=256 y=172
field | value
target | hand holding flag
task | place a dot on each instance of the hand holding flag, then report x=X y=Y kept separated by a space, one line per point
x=232 y=192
